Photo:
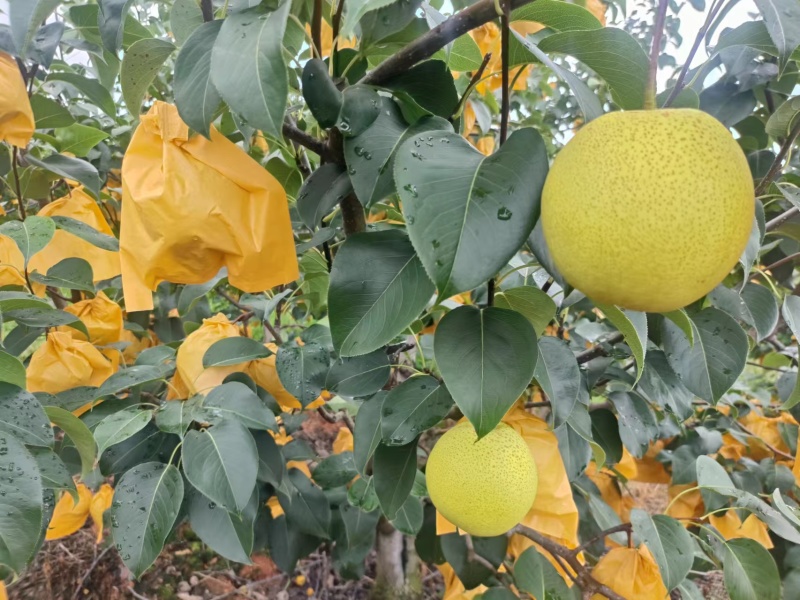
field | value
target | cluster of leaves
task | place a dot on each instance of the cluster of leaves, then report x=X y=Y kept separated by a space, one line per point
x=390 y=331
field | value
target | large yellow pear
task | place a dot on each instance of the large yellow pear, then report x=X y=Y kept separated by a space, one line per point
x=486 y=486
x=648 y=210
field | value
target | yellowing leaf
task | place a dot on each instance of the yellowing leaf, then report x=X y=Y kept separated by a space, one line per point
x=101 y=502
x=730 y=525
x=632 y=573
x=69 y=517
x=275 y=507
x=488 y=39
x=16 y=116
x=343 y=441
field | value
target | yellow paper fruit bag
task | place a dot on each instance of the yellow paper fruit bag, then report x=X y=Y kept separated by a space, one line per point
x=102 y=317
x=632 y=573
x=191 y=206
x=16 y=116
x=189 y=360
x=63 y=362
x=80 y=206
x=12 y=263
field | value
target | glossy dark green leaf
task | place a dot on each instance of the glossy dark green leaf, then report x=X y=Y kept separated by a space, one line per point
x=195 y=95
x=140 y=65
x=184 y=18
x=531 y=302
x=236 y=401
x=322 y=192
x=146 y=504
x=534 y=574
x=473 y=573
x=335 y=471
x=10 y=301
x=710 y=366
x=361 y=494
x=55 y=475
x=637 y=423
x=302 y=370
x=357 y=539
x=487 y=358
x=70 y=273
x=430 y=84
x=415 y=405
x=70 y=168
x=78 y=433
x=633 y=326
x=21 y=517
x=367 y=312
x=128 y=378
x=668 y=542
x=360 y=375
x=79 y=139
x=31 y=235
x=120 y=426
x=12 y=371
x=467 y=214
x=559 y=376
x=367 y=432
x=409 y=516
x=361 y=105
x=225 y=533
x=383 y=22
x=91 y=88
x=287 y=544
x=395 y=469
x=614 y=54
x=753 y=304
x=222 y=463
x=49 y=113
x=357 y=10
x=111 y=21
x=271 y=464
x=557 y=15
x=87 y=233
x=605 y=432
x=307 y=508
x=322 y=97
x=233 y=351
x=661 y=385
x=176 y=417
x=750 y=571
x=25 y=18
x=256 y=87
x=782 y=18
x=370 y=157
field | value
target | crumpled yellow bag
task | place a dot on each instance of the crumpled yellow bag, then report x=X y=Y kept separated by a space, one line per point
x=16 y=116
x=343 y=441
x=136 y=344
x=685 y=502
x=611 y=493
x=69 y=517
x=12 y=263
x=730 y=525
x=191 y=206
x=82 y=207
x=63 y=362
x=632 y=573
x=102 y=317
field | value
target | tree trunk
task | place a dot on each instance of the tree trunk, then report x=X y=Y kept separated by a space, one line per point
x=399 y=576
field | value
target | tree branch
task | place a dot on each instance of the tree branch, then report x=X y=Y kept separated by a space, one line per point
x=208 y=10
x=18 y=186
x=316 y=29
x=583 y=577
x=437 y=38
x=292 y=132
x=777 y=164
x=598 y=350
x=655 y=50
x=773 y=224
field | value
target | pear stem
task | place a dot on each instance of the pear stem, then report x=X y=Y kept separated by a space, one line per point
x=655 y=50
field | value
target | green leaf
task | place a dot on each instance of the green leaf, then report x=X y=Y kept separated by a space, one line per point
x=473 y=573
x=195 y=95
x=22 y=416
x=322 y=97
x=791 y=314
x=119 y=426
x=321 y=192
x=70 y=273
x=11 y=370
x=661 y=385
x=225 y=533
x=467 y=214
x=531 y=302
x=487 y=358
x=357 y=9
x=111 y=21
x=605 y=433
x=415 y=405
x=590 y=104
x=147 y=500
x=367 y=432
x=782 y=18
x=368 y=312
x=668 y=542
x=91 y=88
x=409 y=516
x=335 y=471
x=430 y=84
x=55 y=475
x=557 y=15
x=49 y=114
x=247 y=66
x=559 y=376
x=234 y=351
x=302 y=370
x=70 y=168
x=31 y=235
x=684 y=323
x=287 y=544
x=613 y=54
x=360 y=375
x=534 y=574
x=87 y=233
x=465 y=54
x=780 y=122
x=750 y=571
x=633 y=326
x=222 y=463
x=236 y=401
x=140 y=66
x=394 y=471
x=176 y=417
x=370 y=157
x=79 y=433
x=498 y=593
x=271 y=465
x=128 y=378
x=637 y=423
x=184 y=18
x=357 y=539
x=25 y=18
x=21 y=517
x=307 y=509
x=712 y=365
x=78 y=139
x=361 y=105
